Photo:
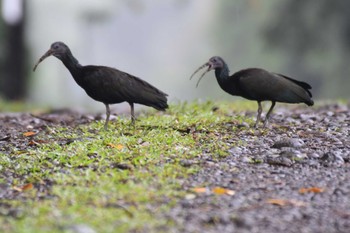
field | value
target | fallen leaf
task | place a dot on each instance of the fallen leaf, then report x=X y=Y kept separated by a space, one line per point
x=284 y=202
x=23 y=188
x=200 y=190
x=221 y=191
x=36 y=142
x=280 y=202
x=297 y=203
x=32 y=143
x=28 y=134
x=110 y=145
x=27 y=187
x=230 y=192
x=311 y=190
x=215 y=190
x=118 y=146
x=19 y=189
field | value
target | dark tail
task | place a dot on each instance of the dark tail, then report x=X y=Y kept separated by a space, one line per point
x=160 y=102
x=310 y=102
x=148 y=95
x=307 y=87
x=154 y=98
x=304 y=85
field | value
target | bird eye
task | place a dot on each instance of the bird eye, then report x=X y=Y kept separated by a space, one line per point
x=55 y=46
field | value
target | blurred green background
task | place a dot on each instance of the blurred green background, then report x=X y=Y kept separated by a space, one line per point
x=163 y=42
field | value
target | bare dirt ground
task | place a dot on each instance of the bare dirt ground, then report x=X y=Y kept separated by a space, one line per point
x=293 y=177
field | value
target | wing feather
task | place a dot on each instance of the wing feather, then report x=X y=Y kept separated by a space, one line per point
x=110 y=85
x=259 y=84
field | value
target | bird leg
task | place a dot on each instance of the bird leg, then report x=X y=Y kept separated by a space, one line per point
x=269 y=112
x=132 y=113
x=108 y=113
x=258 y=117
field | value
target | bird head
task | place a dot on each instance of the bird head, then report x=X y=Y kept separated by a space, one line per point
x=57 y=49
x=215 y=62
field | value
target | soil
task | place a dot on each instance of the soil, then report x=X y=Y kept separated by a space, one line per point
x=293 y=177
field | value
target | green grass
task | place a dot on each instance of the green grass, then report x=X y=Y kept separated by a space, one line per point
x=119 y=180
x=16 y=106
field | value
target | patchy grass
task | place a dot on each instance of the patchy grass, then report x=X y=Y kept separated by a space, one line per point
x=16 y=106
x=119 y=180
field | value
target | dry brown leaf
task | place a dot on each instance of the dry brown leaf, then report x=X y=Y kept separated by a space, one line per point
x=28 y=134
x=311 y=190
x=200 y=190
x=297 y=203
x=18 y=189
x=32 y=143
x=23 y=188
x=110 y=145
x=27 y=187
x=284 y=202
x=36 y=142
x=215 y=190
x=221 y=191
x=280 y=202
x=118 y=146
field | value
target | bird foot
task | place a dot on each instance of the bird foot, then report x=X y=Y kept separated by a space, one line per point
x=265 y=124
x=256 y=124
x=133 y=120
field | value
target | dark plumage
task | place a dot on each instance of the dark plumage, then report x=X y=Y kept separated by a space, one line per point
x=258 y=84
x=108 y=85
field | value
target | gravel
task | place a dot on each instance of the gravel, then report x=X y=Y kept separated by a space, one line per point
x=303 y=149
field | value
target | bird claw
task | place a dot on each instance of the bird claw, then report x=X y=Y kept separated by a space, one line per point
x=265 y=124
x=133 y=119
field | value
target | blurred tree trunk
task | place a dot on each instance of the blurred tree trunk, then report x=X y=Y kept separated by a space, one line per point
x=13 y=83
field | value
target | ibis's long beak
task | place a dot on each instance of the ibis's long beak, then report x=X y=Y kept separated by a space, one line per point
x=47 y=54
x=201 y=67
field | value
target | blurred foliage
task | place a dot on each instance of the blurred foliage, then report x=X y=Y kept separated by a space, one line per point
x=2 y=29
x=305 y=39
x=2 y=49
x=315 y=37
x=20 y=106
x=299 y=20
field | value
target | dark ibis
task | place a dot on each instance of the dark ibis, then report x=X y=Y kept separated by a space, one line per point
x=108 y=85
x=259 y=85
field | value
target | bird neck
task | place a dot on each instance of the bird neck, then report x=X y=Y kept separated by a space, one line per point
x=222 y=74
x=226 y=82
x=72 y=64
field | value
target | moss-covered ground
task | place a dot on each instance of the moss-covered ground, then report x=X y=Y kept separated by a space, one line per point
x=121 y=180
